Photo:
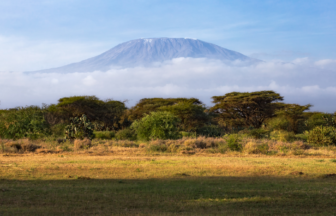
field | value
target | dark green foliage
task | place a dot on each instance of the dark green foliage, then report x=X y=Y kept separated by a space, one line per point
x=148 y=105
x=233 y=143
x=315 y=119
x=210 y=131
x=79 y=128
x=106 y=115
x=322 y=136
x=259 y=133
x=192 y=115
x=23 y=122
x=125 y=134
x=238 y=109
x=189 y=134
x=330 y=119
x=58 y=130
x=284 y=136
x=104 y=134
x=294 y=113
x=157 y=125
x=302 y=137
x=277 y=123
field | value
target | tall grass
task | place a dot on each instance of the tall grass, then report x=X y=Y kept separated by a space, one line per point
x=232 y=144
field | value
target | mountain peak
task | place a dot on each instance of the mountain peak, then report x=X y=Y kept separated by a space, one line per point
x=146 y=51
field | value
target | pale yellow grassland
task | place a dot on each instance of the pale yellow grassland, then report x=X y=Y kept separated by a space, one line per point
x=131 y=163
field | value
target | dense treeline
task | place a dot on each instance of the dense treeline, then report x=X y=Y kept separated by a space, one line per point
x=259 y=114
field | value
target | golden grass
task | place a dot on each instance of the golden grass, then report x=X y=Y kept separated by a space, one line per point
x=128 y=163
x=114 y=180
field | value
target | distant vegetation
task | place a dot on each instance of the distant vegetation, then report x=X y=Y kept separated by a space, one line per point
x=259 y=115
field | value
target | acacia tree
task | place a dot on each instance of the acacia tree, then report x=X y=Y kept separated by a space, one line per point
x=191 y=111
x=148 y=105
x=246 y=109
x=294 y=113
x=105 y=114
x=192 y=116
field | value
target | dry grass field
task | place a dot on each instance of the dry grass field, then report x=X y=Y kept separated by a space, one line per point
x=131 y=181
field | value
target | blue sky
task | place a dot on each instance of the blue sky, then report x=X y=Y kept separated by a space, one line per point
x=269 y=29
x=296 y=38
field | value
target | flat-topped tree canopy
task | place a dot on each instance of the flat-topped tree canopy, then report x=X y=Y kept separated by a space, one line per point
x=246 y=108
x=189 y=110
x=108 y=112
x=147 y=105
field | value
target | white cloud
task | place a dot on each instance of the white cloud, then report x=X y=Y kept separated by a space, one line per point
x=21 y=54
x=302 y=81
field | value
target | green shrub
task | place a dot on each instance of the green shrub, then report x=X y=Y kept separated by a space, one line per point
x=318 y=119
x=222 y=148
x=104 y=134
x=278 y=123
x=256 y=148
x=58 y=130
x=302 y=137
x=23 y=122
x=233 y=143
x=157 y=148
x=79 y=128
x=322 y=136
x=283 y=136
x=210 y=131
x=259 y=133
x=157 y=125
x=125 y=134
x=188 y=134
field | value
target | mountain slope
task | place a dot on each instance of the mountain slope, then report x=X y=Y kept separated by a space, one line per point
x=144 y=52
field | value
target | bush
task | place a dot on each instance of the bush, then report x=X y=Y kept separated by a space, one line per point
x=322 y=136
x=302 y=137
x=283 y=136
x=104 y=134
x=125 y=134
x=259 y=133
x=188 y=134
x=126 y=143
x=210 y=131
x=317 y=119
x=157 y=125
x=157 y=148
x=278 y=123
x=23 y=122
x=58 y=130
x=23 y=145
x=82 y=144
x=256 y=148
x=79 y=128
x=233 y=143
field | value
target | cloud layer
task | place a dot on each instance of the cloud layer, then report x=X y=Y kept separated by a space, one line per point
x=301 y=81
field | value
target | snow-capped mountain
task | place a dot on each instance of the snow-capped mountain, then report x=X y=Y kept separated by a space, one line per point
x=144 y=52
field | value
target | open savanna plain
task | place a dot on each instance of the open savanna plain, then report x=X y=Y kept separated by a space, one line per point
x=128 y=181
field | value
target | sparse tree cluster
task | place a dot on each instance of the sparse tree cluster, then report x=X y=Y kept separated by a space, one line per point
x=256 y=113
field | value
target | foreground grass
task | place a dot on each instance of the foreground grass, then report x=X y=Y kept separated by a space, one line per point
x=86 y=184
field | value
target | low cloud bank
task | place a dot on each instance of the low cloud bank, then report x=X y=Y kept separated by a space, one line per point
x=301 y=81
